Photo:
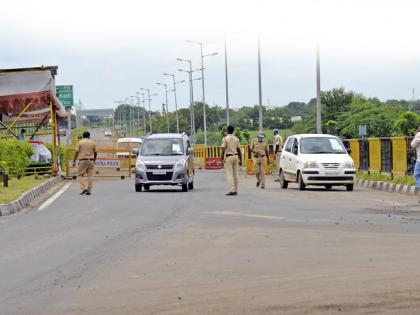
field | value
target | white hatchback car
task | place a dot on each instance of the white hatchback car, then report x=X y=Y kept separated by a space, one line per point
x=316 y=159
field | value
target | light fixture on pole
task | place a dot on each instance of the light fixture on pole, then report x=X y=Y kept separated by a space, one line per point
x=166 y=98
x=202 y=85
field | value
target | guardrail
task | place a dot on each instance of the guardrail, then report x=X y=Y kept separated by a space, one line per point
x=392 y=155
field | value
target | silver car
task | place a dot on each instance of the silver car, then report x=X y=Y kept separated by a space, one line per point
x=165 y=159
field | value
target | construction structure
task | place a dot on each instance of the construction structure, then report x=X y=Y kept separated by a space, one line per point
x=28 y=101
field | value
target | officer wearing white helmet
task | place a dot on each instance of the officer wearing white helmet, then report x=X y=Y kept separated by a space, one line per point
x=259 y=147
x=278 y=147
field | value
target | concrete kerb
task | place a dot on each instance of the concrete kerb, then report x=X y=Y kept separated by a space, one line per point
x=387 y=186
x=26 y=198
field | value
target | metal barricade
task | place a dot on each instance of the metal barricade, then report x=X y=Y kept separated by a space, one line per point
x=386 y=155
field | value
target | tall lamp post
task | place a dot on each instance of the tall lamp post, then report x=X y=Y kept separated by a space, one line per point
x=144 y=111
x=176 y=102
x=138 y=111
x=150 y=112
x=202 y=85
x=318 y=92
x=259 y=89
x=166 y=101
x=227 y=86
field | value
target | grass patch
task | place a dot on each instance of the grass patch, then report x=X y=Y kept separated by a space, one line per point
x=18 y=187
x=404 y=180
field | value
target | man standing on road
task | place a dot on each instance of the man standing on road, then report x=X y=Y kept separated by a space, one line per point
x=416 y=144
x=86 y=152
x=259 y=147
x=278 y=147
x=231 y=147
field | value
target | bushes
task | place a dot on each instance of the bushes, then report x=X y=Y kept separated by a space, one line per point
x=17 y=156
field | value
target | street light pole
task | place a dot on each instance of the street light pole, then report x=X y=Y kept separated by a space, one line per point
x=227 y=86
x=318 y=92
x=138 y=111
x=166 y=97
x=150 y=112
x=259 y=89
x=144 y=111
x=176 y=102
x=202 y=86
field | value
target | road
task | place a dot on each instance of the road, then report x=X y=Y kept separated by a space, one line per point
x=266 y=251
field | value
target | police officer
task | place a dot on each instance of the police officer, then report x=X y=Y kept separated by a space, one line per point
x=259 y=147
x=278 y=147
x=232 y=149
x=86 y=152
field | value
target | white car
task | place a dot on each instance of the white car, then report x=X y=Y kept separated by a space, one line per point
x=108 y=133
x=316 y=159
x=127 y=146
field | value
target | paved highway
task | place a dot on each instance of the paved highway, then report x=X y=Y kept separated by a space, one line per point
x=266 y=251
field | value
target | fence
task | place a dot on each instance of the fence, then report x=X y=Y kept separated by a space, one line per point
x=393 y=156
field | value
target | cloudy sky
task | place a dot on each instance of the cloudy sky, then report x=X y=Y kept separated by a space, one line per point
x=109 y=49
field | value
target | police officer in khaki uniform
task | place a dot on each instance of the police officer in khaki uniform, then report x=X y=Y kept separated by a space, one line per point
x=259 y=147
x=278 y=147
x=86 y=152
x=231 y=147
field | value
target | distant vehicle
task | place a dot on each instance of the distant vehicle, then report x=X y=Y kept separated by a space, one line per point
x=62 y=132
x=108 y=133
x=125 y=146
x=314 y=159
x=165 y=159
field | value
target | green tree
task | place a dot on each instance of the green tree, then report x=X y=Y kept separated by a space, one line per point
x=238 y=133
x=335 y=102
x=407 y=123
x=246 y=135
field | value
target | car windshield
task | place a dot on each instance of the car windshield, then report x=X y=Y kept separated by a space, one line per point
x=321 y=145
x=162 y=147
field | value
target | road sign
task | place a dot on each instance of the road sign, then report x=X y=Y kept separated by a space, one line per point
x=296 y=118
x=65 y=95
x=362 y=130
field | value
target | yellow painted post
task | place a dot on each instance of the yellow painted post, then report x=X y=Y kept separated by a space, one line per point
x=399 y=156
x=375 y=155
x=355 y=152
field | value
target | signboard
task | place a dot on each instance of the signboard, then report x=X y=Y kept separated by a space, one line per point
x=101 y=163
x=65 y=95
x=362 y=130
x=213 y=163
x=296 y=118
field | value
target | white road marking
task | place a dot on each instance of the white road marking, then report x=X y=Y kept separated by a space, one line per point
x=54 y=197
x=248 y=215
x=4 y=221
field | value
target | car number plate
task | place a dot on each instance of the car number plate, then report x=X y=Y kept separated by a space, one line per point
x=159 y=172
x=331 y=173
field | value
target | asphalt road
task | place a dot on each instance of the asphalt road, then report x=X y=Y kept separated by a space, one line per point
x=266 y=251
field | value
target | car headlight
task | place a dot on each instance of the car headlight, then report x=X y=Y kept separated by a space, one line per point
x=180 y=164
x=311 y=164
x=349 y=164
x=140 y=166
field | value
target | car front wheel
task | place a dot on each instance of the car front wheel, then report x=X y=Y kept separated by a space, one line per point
x=283 y=183
x=301 y=184
x=138 y=187
x=350 y=187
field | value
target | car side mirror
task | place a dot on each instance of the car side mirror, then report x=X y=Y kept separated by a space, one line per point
x=190 y=151
x=135 y=151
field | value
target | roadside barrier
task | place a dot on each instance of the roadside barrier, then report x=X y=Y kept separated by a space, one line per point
x=110 y=163
x=393 y=156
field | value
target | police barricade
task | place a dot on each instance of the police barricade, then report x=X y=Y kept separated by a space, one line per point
x=111 y=162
